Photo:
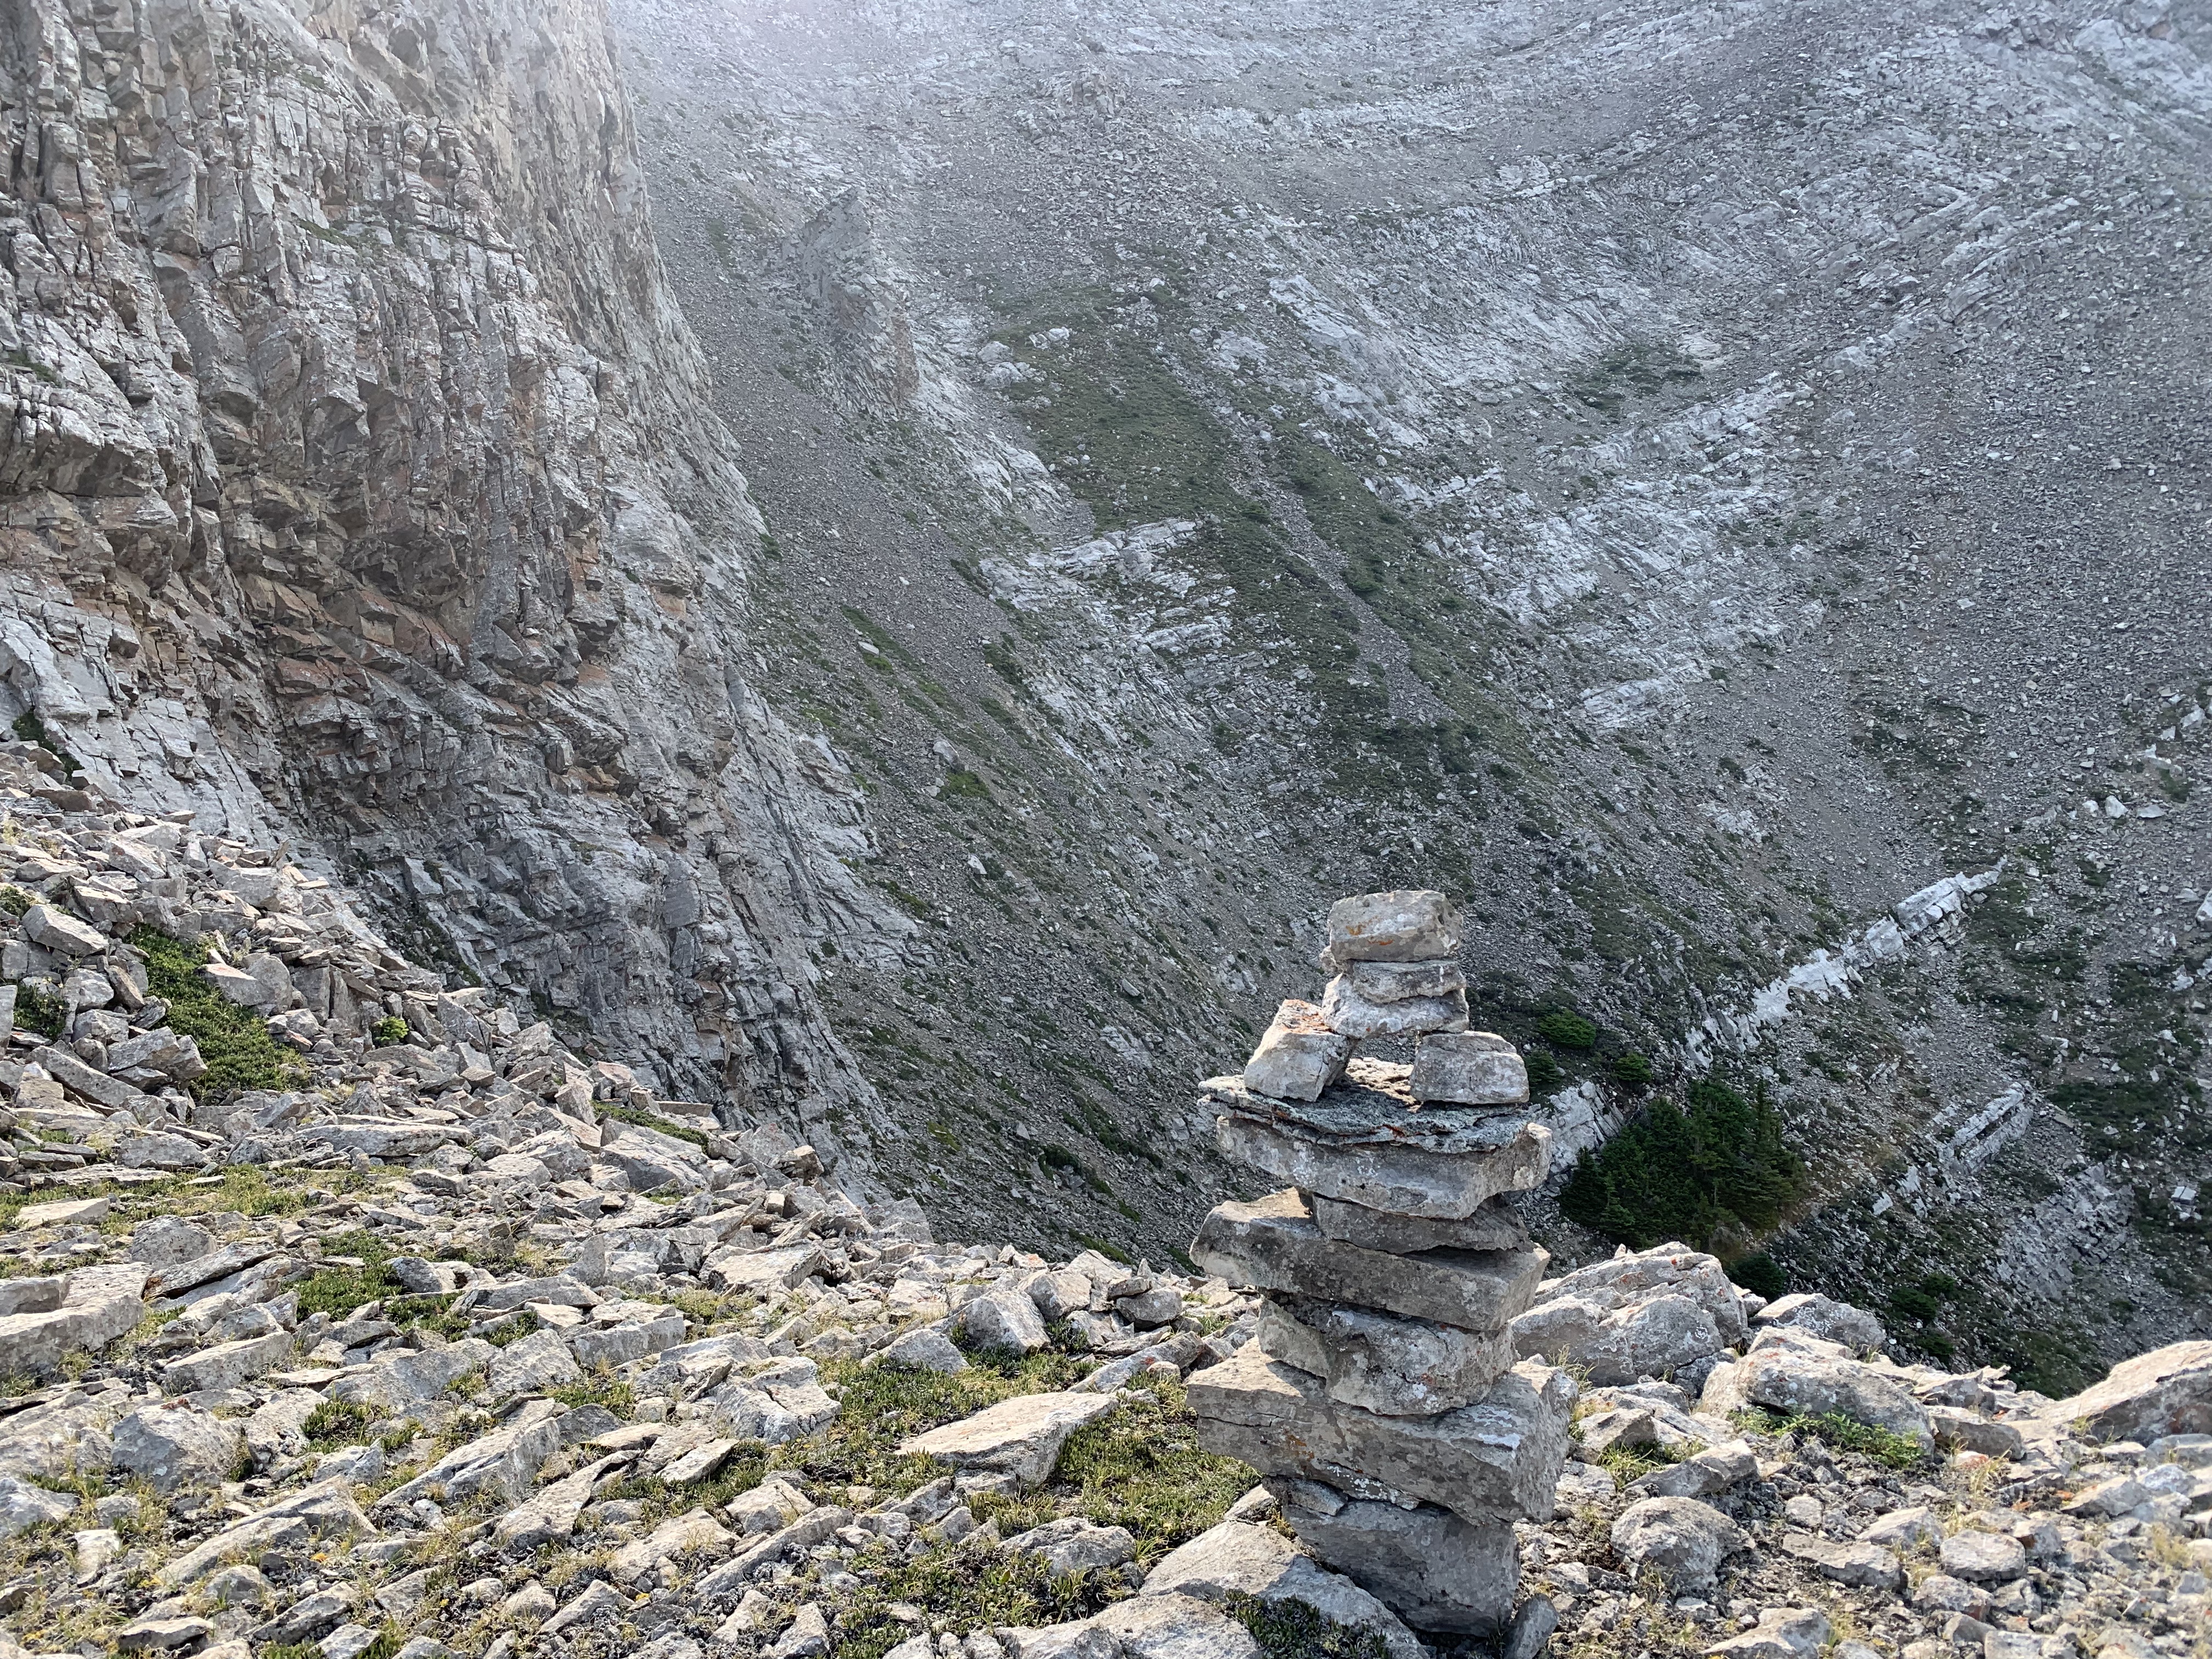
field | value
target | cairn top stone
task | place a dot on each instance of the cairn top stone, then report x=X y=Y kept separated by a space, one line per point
x=1404 y=925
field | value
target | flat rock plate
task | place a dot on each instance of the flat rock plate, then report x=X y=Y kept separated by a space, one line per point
x=1372 y=1106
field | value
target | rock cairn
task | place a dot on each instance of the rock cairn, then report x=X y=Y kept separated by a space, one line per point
x=1380 y=1399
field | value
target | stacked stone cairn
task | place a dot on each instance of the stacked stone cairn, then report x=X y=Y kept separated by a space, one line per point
x=1380 y=1399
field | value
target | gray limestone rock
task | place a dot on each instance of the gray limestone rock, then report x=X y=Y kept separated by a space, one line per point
x=1394 y=1367
x=55 y=929
x=1237 y=1558
x=1683 y=1541
x=1299 y=1055
x=1406 y=924
x=174 y=1446
x=2167 y=1391
x=1073 y=1544
x=23 y=1506
x=1498 y=1456
x=1435 y=1570
x=1867 y=1565
x=1446 y=1184
x=538 y=1362
x=1273 y=1244
x=1838 y=1322
x=1493 y=1226
x=1796 y=1385
x=1352 y=1015
x=926 y=1350
x=1021 y=1438
x=1471 y=1068
x=1402 y=981
x=1003 y=1320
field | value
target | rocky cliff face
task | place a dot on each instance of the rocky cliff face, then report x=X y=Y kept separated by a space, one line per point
x=1697 y=492
x=359 y=489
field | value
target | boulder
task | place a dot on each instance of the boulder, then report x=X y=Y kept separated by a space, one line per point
x=1969 y=1431
x=168 y=1240
x=1021 y=1438
x=2167 y=1391
x=52 y=929
x=1652 y=1337
x=1298 y=1056
x=23 y=1506
x=65 y=1437
x=926 y=1350
x=174 y=1445
x=400 y=1380
x=97 y=1305
x=1701 y=1474
x=1073 y=1544
x=227 y=1364
x=1469 y=1068
x=762 y=1272
x=325 y=1511
x=1984 y=1557
x=1404 y=981
x=1837 y=1321
x=1498 y=1456
x=538 y=1362
x=1406 y=924
x=504 y=1462
x=1796 y=1386
x=1780 y=1633
x=1273 y=1244
x=1003 y=1321
x=1057 y=1295
x=1236 y=1559
x=1683 y=1541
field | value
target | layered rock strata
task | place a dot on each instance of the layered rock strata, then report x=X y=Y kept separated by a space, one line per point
x=1380 y=1399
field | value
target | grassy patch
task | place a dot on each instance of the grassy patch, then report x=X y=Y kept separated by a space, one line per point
x=963 y=1587
x=1294 y=1630
x=41 y=1011
x=337 y=1289
x=1896 y=1451
x=335 y=1422
x=1716 y=1170
x=659 y=1125
x=601 y=1387
x=1142 y=1468
x=236 y=1045
x=388 y=1030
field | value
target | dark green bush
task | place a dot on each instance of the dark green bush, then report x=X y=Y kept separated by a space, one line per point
x=1719 y=1166
x=1914 y=1303
x=388 y=1030
x=1545 y=1073
x=41 y=1011
x=1633 y=1070
x=15 y=901
x=1762 y=1275
x=236 y=1045
x=1567 y=1030
x=31 y=729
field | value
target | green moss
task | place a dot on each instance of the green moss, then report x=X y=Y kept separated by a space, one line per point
x=963 y=1587
x=659 y=1125
x=1294 y=1629
x=1142 y=1468
x=236 y=1045
x=1717 y=1170
x=15 y=901
x=961 y=784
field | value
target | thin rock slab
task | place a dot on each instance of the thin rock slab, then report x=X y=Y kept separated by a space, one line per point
x=1494 y=1226
x=1394 y=1367
x=1498 y=1457
x=1021 y=1438
x=1354 y=1015
x=1403 y=981
x=2166 y=1391
x=1435 y=1570
x=1367 y=1142
x=1273 y=1244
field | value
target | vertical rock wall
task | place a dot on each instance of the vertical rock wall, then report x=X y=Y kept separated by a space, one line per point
x=356 y=485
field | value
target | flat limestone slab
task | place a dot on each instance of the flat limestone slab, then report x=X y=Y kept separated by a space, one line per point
x=1498 y=1458
x=1382 y=1363
x=1273 y=1244
x=1494 y=1226
x=1022 y=1436
x=1367 y=1141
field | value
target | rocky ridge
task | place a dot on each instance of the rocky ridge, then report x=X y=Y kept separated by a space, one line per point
x=456 y=1345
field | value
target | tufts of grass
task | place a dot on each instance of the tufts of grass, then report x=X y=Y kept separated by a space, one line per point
x=659 y=1125
x=337 y=1289
x=963 y=1587
x=14 y=901
x=1896 y=1451
x=388 y=1030
x=337 y=1423
x=1294 y=1630
x=29 y=728
x=41 y=1011
x=236 y=1045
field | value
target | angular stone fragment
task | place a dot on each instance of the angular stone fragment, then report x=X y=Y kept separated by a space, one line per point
x=1403 y=981
x=175 y=1445
x=1702 y=1474
x=1022 y=1436
x=1073 y=1544
x=1236 y=1559
x=1004 y=1321
x=1822 y=1317
x=239 y=987
x=763 y=1272
x=1299 y=1056
x=1971 y=1432
x=1494 y=1226
x=56 y=930
x=1683 y=1541
x=1469 y=1068
x=1842 y=1387
x=227 y=1364
x=1352 y=1016
x=79 y=1078
x=397 y=1381
x=1780 y=1633
x=1499 y=1456
x=538 y=1362
x=926 y=1350
x=23 y=1506
x=1395 y=1367
x=1273 y=1244
x=99 y=1305
x=325 y=1510
x=1867 y=1565
x=1984 y=1557
x=1436 y=1569
x=1404 y=925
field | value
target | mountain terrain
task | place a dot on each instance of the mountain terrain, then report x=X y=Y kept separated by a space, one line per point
x=881 y=565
